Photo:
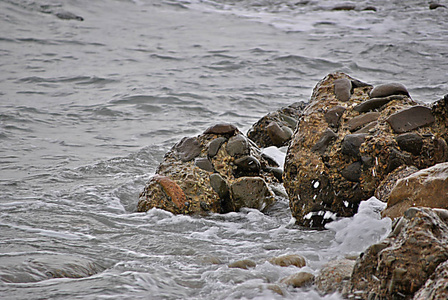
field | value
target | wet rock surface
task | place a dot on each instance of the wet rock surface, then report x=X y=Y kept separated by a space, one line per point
x=299 y=280
x=399 y=266
x=276 y=128
x=436 y=287
x=218 y=171
x=427 y=187
x=289 y=260
x=343 y=149
x=335 y=276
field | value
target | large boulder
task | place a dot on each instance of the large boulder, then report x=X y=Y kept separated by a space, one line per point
x=349 y=138
x=400 y=265
x=276 y=128
x=218 y=171
x=427 y=187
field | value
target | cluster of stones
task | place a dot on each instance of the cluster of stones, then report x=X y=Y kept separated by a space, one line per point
x=350 y=137
x=276 y=128
x=218 y=171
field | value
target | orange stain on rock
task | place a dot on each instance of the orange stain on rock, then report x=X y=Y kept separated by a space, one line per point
x=172 y=189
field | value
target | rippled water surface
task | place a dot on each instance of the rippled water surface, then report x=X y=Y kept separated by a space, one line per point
x=88 y=109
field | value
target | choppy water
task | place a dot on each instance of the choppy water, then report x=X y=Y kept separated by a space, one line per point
x=88 y=109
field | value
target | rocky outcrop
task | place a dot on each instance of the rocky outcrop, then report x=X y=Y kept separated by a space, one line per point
x=218 y=171
x=400 y=265
x=349 y=138
x=427 y=187
x=436 y=287
x=276 y=128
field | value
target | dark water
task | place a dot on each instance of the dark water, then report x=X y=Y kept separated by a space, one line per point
x=88 y=109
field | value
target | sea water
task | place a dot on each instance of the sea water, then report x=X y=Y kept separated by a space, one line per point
x=88 y=109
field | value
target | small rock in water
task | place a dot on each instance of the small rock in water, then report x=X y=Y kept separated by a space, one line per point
x=436 y=5
x=335 y=276
x=243 y=264
x=411 y=118
x=344 y=7
x=342 y=89
x=388 y=89
x=299 y=280
x=289 y=260
x=222 y=128
x=65 y=15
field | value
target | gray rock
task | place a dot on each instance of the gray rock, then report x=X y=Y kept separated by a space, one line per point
x=375 y=103
x=219 y=185
x=215 y=145
x=204 y=163
x=342 y=89
x=410 y=119
x=388 y=89
x=247 y=165
x=410 y=142
x=351 y=143
x=277 y=134
x=352 y=172
x=328 y=136
x=222 y=128
x=333 y=115
x=251 y=192
x=237 y=145
x=187 y=149
x=361 y=120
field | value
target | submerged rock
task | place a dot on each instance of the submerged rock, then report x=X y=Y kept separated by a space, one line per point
x=335 y=276
x=289 y=260
x=243 y=264
x=276 y=128
x=219 y=171
x=299 y=280
x=400 y=265
x=342 y=150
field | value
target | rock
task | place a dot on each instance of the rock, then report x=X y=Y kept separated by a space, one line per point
x=335 y=276
x=388 y=183
x=400 y=265
x=222 y=128
x=376 y=103
x=410 y=142
x=243 y=264
x=298 y=280
x=276 y=128
x=436 y=287
x=66 y=15
x=278 y=135
x=349 y=162
x=187 y=149
x=427 y=187
x=228 y=172
x=351 y=143
x=361 y=120
x=333 y=115
x=251 y=192
x=388 y=89
x=325 y=140
x=344 y=7
x=342 y=89
x=436 y=5
x=237 y=145
x=410 y=119
x=289 y=260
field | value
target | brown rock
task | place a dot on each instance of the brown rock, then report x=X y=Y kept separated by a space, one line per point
x=401 y=264
x=428 y=187
x=172 y=190
x=243 y=264
x=361 y=120
x=299 y=280
x=325 y=140
x=333 y=115
x=388 y=183
x=335 y=276
x=222 y=128
x=388 y=89
x=376 y=103
x=410 y=119
x=277 y=134
x=410 y=142
x=289 y=260
x=251 y=192
x=436 y=287
x=187 y=149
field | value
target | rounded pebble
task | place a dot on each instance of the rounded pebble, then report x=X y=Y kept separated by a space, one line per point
x=388 y=89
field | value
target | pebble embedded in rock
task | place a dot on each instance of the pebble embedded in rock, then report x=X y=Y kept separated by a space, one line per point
x=204 y=163
x=188 y=148
x=342 y=89
x=361 y=120
x=352 y=172
x=251 y=192
x=440 y=150
x=333 y=115
x=327 y=137
x=215 y=145
x=375 y=103
x=237 y=145
x=222 y=128
x=219 y=185
x=410 y=142
x=277 y=135
x=388 y=89
x=351 y=143
x=410 y=119
x=247 y=165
